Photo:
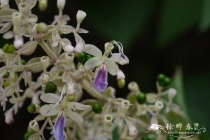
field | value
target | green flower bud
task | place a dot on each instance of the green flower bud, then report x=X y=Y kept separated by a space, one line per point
x=121 y=83
x=43 y=5
x=8 y=48
x=23 y=61
x=27 y=135
x=50 y=88
x=41 y=28
x=71 y=97
x=141 y=98
x=31 y=108
x=167 y=81
x=6 y=75
x=97 y=108
x=83 y=57
x=163 y=80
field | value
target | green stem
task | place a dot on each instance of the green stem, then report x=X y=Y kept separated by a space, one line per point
x=48 y=50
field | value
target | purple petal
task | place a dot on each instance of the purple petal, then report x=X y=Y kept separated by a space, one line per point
x=58 y=129
x=100 y=80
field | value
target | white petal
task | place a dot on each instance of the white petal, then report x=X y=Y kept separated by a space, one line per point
x=117 y=57
x=78 y=106
x=48 y=110
x=92 y=50
x=151 y=97
x=112 y=67
x=74 y=116
x=92 y=63
x=49 y=98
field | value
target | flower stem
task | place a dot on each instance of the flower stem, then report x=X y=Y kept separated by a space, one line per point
x=48 y=50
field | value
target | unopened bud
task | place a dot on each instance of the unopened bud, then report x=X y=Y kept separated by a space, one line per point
x=120 y=75
x=79 y=47
x=41 y=28
x=43 y=5
x=121 y=83
x=80 y=16
x=45 y=79
x=68 y=49
x=9 y=118
x=18 y=43
x=61 y=4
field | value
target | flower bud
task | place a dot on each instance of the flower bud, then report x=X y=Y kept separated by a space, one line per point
x=9 y=118
x=141 y=98
x=32 y=108
x=80 y=16
x=50 y=88
x=43 y=5
x=97 y=108
x=79 y=47
x=61 y=4
x=71 y=97
x=45 y=79
x=8 y=48
x=41 y=28
x=68 y=49
x=121 y=83
x=34 y=125
x=70 y=89
x=120 y=75
x=18 y=43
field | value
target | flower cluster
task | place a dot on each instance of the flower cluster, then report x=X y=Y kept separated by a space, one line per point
x=55 y=95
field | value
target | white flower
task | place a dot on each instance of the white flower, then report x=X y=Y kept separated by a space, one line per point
x=104 y=62
x=56 y=106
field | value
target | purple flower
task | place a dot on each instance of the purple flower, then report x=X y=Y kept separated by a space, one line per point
x=100 y=80
x=58 y=129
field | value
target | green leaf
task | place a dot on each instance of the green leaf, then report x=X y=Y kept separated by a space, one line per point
x=121 y=21
x=177 y=83
x=205 y=16
x=177 y=17
x=197 y=96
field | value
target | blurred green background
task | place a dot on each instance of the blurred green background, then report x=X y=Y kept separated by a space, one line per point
x=164 y=36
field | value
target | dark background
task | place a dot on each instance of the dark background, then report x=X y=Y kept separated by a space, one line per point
x=170 y=37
